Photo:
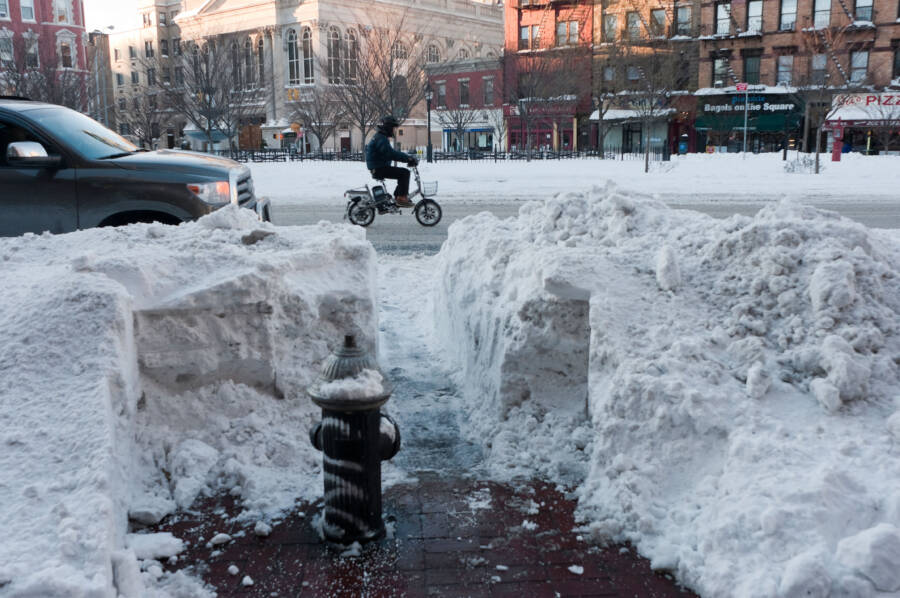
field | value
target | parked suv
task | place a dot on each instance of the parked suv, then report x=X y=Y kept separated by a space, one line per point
x=61 y=171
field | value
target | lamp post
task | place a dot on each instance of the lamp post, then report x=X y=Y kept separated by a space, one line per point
x=429 y=95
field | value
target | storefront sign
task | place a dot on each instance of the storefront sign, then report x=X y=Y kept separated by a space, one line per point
x=766 y=112
x=866 y=99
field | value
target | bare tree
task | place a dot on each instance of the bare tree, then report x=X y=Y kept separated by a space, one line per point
x=499 y=122
x=38 y=72
x=146 y=118
x=457 y=116
x=242 y=87
x=319 y=110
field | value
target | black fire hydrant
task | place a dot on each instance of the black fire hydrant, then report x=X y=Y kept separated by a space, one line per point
x=354 y=437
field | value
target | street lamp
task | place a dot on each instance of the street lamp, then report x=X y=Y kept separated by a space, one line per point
x=429 y=95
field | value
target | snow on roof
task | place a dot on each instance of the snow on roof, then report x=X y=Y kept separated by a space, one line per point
x=620 y=114
x=731 y=89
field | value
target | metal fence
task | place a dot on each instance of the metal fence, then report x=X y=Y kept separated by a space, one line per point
x=657 y=153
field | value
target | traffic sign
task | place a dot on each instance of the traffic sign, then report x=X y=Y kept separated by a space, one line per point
x=741 y=87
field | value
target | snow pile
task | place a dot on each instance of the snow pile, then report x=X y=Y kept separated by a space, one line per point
x=740 y=381
x=365 y=385
x=145 y=365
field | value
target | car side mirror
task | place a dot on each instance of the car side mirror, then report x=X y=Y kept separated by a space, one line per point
x=30 y=153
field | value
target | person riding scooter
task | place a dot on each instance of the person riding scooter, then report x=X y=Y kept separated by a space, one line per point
x=380 y=154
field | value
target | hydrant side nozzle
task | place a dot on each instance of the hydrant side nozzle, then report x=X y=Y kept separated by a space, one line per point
x=315 y=436
x=389 y=437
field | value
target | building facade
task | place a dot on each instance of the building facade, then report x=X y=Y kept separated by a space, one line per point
x=47 y=37
x=295 y=43
x=468 y=105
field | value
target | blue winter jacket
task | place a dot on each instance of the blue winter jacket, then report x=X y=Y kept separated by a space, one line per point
x=380 y=153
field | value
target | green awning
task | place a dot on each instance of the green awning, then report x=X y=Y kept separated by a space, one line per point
x=762 y=122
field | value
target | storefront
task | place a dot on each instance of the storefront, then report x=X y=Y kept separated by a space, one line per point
x=864 y=122
x=774 y=117
x=624 y=130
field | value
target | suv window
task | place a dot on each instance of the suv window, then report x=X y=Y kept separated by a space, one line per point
x=11 y=133
x=84 y=135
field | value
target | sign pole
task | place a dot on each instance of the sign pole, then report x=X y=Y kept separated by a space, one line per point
x=746 y=110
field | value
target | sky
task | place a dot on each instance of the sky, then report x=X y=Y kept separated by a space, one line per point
x=99 y=14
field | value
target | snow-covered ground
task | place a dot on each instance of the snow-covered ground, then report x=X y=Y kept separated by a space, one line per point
x=724 y=391
x=693 y=178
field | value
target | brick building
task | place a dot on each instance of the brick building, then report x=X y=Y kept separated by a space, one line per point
x=46 y=36
x=547 y=67
x=468 y=104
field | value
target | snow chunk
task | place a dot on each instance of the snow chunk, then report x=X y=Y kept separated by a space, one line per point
x=668 y=275
x=233 y=570
x=220 y=538
x=365 y=385
x=806 y=575
x=875 y=553
x=247 y=581
x=576 y=569
x=154 y=546
x=262 y=529
x=191 y=464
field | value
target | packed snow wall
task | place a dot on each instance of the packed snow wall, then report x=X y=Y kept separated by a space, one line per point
x=742 y=382
x=144 y=365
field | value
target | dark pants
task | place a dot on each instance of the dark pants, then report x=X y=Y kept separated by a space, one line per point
x=401 y=175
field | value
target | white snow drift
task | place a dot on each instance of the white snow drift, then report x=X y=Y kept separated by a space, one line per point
x=142 y=366
x=724 y=391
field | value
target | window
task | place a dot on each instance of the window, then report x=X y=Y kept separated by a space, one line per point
x=179 y=75
x=161 y=19
x=788 y=15
x=683 y=20
x=176 y=46
x=399 y=51
x=863 y=10
x=151 y=76
x=63 y=11
x=145 y=17
x=6 y=48
x=27 y=9
x=167 y=76
x=785 y=73
x=633 y=24
x=859 y=64
x=120 y=79
x=433 y=55
x=148 y=49
x=523 y=38
x=350 y=55
x=261 y=62
x=334 y=56
x=132 y=53
x=633 y=73
x=164 y=47
x=754 y=16
x=135 y=78
x=821 y=13
x=609 y=73
x=817 y=69
x=4 y=9
x=896 y=72
x=65 y=55
x=751 y=68
x=566 y=33
x=535 y=36
x=293 y=58
x=122 y=104
x=463 y=54
x=463 y=92
x=151 y=101
x=136 y=104
x=117 y=54
x=526 y=42
x=31 y=52
x=308 y=58
x=658 y=22
x=124 y=129
x=487 y=87
x=249 y=75
x=723 y=18
x=610 y=27
x=441 y=94
x=720 y=71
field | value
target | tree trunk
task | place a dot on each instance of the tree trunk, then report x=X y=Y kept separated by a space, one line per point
x=818 y=145
x=646 y=147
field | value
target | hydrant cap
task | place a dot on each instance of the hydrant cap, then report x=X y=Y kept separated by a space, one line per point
x=348 y=361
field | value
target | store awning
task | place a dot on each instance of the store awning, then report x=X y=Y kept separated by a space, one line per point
x=865 y=110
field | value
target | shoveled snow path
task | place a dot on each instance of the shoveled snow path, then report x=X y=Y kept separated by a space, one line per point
x=426 y=402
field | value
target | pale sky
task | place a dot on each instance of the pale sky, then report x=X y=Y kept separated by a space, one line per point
x=98 y=14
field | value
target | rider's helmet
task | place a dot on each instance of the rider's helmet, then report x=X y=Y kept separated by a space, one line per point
x=388 y=124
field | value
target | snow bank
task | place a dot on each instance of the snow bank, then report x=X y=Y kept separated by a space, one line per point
x=145 y=365
x=740 y=381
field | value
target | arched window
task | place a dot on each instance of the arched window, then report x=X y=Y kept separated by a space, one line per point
x=260 y=62
x=249 y=78
x=236 y=66
x=434 y=54
x=463 y=54
x=308 y=57
x=334 y=56
x=351 y=56
x=399 y=51
x=293 y=51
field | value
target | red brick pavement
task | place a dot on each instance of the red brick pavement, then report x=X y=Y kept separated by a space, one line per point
x=446 y=538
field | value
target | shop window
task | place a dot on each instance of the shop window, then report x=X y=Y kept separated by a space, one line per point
x=683 y=20
x=788 y=16
x=723 y=18
x=610 y=26
x=658 y=22
x=822 y=13
x=751 y=69
x=818 y=69
x=754 y=16
x=859 y=64
x=633 y=23
x=720 y=72
x=863 y=10
x=463 y=92
x=785 y=69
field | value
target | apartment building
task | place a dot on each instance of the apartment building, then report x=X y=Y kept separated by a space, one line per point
x=46 y=36
x=547 y=70
x=290 y=38
x=467 y=96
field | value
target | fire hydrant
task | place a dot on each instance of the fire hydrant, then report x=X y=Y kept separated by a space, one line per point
x=354 y=437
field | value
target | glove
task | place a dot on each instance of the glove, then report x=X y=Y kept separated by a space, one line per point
x=412 y=162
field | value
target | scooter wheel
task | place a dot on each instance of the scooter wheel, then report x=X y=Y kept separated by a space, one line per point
x=360 y=215
x=428 y=212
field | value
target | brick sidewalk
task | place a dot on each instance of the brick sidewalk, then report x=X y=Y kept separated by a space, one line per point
x=446 y=538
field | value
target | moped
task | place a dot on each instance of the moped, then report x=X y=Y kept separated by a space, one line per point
x=362 y=203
